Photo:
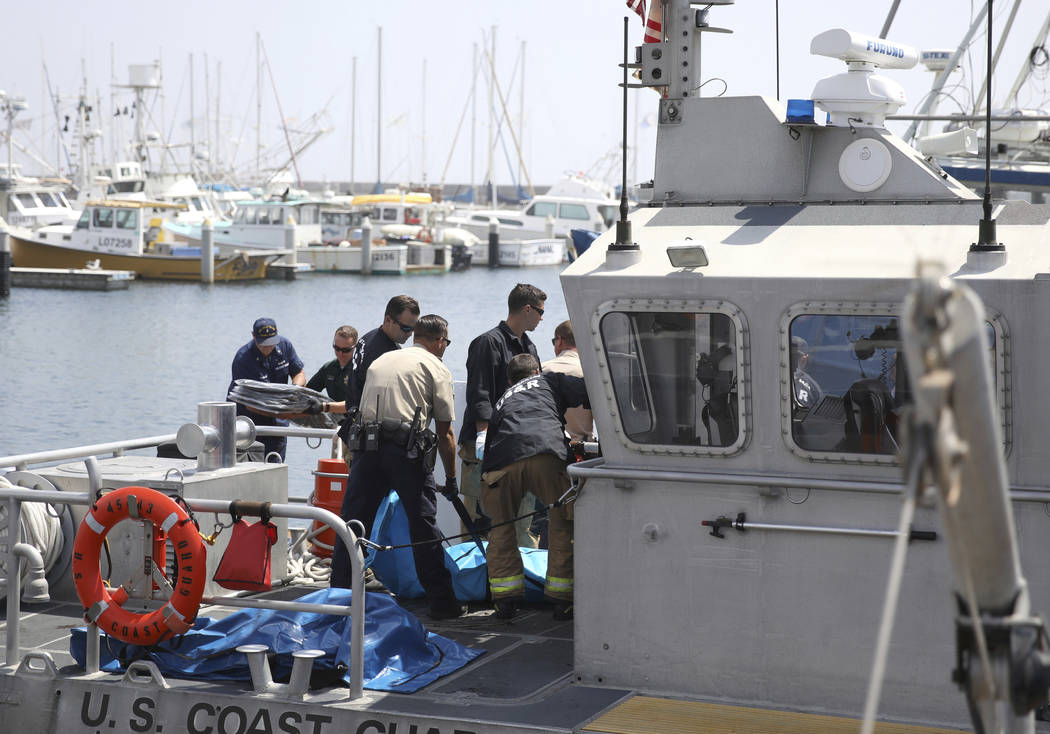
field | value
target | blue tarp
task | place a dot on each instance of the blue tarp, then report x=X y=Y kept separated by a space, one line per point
x=400 y=654
x=397 y=570
x=582 y=240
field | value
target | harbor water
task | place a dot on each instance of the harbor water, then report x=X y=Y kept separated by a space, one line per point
x=80 y=368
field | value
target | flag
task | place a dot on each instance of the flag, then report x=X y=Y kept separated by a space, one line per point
x=654 y=23
x=638 y=6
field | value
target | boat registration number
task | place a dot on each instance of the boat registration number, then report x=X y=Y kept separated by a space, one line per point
x=95 y=710
x=114 y=243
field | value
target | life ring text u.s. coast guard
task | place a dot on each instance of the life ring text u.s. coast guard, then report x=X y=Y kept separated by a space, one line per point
x=106 y=609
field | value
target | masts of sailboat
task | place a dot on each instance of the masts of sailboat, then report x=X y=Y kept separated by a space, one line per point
x=258 y=107
x=995 y=59
x=473 y=127
x=942 y=77
x=379 y=115
x=423 y=137
x=353 y=119
x=1026 y=67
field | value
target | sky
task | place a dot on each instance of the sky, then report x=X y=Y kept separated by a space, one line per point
x=570 y=120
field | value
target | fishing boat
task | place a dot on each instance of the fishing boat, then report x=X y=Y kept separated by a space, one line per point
x=128 y=235
x=33 y=202
x=749 y=365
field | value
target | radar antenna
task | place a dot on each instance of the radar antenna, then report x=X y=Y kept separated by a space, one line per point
x=624 y=240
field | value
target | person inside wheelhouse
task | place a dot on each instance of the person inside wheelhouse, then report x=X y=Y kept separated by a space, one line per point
x=848 y=383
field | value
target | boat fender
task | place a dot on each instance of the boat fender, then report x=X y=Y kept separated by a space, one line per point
x=106 y=609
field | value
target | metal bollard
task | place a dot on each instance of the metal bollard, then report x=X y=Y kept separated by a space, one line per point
x=259 y=667
x=493 y=242
x=366 y=246
x=216 y=436
x=302 y=666
x=207 y=252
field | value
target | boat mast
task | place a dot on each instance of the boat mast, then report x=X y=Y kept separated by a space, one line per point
x=423 y=137
x=521 y=106
x=1026 y=67
x=218 y=100
x=473 y=127
x=258 y=108
x=492 y=120
x=207 y=110
x=193 y=122
x=353 y=119
x=379 y=116
x=930 y=100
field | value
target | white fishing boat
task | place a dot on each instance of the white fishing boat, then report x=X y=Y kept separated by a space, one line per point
x=739 y=544
x=33 y=202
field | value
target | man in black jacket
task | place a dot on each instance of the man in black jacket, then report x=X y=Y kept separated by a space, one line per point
x=398 y=321
x=526 y=449
x=487 y=360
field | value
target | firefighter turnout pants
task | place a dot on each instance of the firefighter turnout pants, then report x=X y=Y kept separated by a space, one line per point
x=545 y=476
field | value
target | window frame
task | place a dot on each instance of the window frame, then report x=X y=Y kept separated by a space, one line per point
x=743 y=365
x=878 y=308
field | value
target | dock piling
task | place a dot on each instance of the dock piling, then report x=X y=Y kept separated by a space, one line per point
x=207 y=252
x=548 y=227
x=493 y=242
x=5 y=262
x=366 y=246
x=289 y=241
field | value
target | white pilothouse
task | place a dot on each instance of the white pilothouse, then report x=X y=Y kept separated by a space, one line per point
x=733 y=542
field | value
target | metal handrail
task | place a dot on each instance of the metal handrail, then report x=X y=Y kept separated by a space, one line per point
x=117 y=448
x=17 y=495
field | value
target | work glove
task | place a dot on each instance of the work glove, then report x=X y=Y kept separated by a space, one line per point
x=450 y=489
x=313 y=405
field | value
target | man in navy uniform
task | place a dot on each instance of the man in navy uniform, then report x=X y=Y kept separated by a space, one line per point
x=487 y=360
x=267 y=358
x=334 y=376
x=526 y=450
x=399 y=385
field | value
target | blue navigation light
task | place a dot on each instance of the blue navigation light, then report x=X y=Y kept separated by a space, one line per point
x=800 y=110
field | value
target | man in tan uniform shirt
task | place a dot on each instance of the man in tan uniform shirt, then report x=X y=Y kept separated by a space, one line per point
x=397 y=383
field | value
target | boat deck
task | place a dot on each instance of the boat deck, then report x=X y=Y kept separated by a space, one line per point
x=523 y=683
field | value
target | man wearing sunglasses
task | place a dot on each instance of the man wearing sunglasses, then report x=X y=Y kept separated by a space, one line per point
x=400 y=318
x=487 y=360
x=334 y=376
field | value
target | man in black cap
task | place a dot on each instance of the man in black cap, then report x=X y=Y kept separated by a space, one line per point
x=267 y=358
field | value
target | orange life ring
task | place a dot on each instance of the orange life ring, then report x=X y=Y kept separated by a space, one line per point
x=106 y=609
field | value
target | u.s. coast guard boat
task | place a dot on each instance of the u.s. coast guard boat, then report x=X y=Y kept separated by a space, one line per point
x=749 y=369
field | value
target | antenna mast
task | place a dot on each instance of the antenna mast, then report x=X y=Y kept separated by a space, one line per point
x=624 y=240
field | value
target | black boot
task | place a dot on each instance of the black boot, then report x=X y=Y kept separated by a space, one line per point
x=505 y=608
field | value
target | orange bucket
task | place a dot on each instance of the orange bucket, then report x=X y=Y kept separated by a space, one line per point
x=329 y=489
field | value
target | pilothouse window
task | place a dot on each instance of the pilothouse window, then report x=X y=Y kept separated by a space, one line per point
x=848 y=383
x=674 y=375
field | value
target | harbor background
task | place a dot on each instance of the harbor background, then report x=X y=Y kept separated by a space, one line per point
x=82 y=368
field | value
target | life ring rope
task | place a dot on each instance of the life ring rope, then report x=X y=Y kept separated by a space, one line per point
x=104 y=606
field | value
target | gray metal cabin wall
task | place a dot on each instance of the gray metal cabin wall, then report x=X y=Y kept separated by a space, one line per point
x=786 y=619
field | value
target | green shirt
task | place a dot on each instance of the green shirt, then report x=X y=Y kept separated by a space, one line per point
x=333 y=379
